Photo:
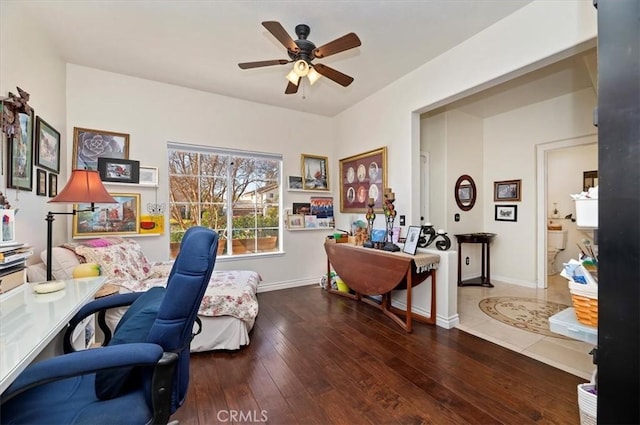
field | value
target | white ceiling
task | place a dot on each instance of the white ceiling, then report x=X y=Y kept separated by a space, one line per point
x=198 y=43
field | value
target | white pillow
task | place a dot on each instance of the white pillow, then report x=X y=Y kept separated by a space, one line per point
x=63 y=261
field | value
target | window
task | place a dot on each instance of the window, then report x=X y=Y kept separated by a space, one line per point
x=236 y=193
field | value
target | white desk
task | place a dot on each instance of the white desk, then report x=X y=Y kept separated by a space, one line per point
x=30 y=321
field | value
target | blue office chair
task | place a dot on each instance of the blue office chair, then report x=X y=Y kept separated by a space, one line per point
x=142 y=375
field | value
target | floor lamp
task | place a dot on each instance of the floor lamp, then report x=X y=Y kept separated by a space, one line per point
x=84 y=186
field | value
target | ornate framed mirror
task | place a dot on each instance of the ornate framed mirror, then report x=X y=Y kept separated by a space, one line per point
x=465 y=192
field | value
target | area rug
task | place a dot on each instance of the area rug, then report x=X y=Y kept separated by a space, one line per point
x=528 y=314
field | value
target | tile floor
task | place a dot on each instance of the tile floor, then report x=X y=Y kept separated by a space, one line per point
x=569 y=355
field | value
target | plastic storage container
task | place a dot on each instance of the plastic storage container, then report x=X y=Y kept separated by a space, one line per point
x=587 y=212
x=565 y=323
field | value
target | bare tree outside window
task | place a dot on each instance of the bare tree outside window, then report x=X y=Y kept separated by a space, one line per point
x=238 y=195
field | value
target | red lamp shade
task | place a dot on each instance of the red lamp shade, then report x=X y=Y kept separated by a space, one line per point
x=84 y=186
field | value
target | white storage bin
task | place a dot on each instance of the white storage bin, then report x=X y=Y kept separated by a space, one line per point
x=565 y=323
x=587 y=212
x=588 y=404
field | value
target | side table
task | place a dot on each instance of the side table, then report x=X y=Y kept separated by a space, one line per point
x=484 y=239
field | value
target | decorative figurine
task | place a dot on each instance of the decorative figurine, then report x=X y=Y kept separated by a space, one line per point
x=428 y=235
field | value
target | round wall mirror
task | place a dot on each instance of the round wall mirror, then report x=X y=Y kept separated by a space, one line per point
x=465 y=192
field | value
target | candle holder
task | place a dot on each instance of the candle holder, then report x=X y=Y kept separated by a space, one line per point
x=371 y=217
x=429 y=235
x=390 y=217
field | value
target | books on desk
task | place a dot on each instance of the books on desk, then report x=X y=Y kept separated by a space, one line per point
x=13 y=265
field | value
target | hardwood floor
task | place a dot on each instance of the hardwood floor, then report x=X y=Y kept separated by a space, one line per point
x=317 y=358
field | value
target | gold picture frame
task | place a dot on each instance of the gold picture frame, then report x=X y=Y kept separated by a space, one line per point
x=315 y=172
x=363 y=176
x=121 y=218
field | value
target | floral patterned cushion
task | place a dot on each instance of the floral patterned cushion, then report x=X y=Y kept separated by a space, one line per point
x=123 y=260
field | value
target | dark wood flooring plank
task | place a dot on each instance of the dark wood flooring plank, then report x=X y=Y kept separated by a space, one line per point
x=318 y=358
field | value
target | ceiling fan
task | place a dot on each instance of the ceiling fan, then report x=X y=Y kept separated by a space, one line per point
x=302 y=52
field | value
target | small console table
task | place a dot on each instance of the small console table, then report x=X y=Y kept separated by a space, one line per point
x=370 y=271
x=484 y=239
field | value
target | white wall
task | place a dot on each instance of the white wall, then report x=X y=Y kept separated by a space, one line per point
x=514 y=46
x=510 y=145
x=153 y=114
x=28 y=60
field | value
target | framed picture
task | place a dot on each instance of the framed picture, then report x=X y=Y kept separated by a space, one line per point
x=148 y=176
x=294 y=183
x=20 y=164
x=506 y=190
x=411 y=242
x=465 y=192
x=47 y=146
x=89 y=145
x=121 y=218
x=303 y=208
x=362 y=177
x=53 y=185
x=321 y=207
x=151 y=224
x=41 y=182
x=506 y=213
x=310 y=221
x=315 y=172
x=119 y=170
x=295 y=221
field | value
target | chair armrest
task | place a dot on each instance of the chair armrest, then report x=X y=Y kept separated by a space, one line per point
x=82 y=363
x=99 y=305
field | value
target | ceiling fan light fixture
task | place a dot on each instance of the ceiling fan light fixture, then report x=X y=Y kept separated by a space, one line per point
x=301 y=68
x=313 y=76
x=293 y=77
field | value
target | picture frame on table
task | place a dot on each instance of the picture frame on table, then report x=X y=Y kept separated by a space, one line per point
x=89 y=145
x=53 y=185
x=363 y=176
x=506 y=213
x=121 y=218
x=148 y=176
x=295 y=221
x=41 y=182
x=315 y=172
x=411 y=241
x=119 y=170
x=507 y=190
x=47 y=146
x=20 y=164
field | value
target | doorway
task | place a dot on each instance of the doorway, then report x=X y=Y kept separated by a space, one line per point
x=560 y=152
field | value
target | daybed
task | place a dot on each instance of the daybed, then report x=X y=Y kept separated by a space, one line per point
x=228 y=309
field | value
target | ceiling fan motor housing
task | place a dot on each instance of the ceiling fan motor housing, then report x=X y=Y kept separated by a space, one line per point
x=305 y=46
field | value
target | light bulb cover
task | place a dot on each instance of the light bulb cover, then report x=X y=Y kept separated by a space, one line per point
x=293 y=77
x=301 y=68
x=313 y=76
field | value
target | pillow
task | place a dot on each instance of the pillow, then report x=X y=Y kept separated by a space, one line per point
x=63 y=261
x=124 y=260
x=133 y=327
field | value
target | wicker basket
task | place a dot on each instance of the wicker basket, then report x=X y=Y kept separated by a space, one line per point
x=586 y=309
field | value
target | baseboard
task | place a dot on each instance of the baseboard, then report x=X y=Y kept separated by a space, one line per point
x=276 y=286
x=503 y=279
x=443 y=322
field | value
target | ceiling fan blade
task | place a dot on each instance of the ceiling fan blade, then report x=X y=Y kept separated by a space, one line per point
x=281 y=34
x=292 y=88
x=337 y=76
x=338 y=45
x=248 y=65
